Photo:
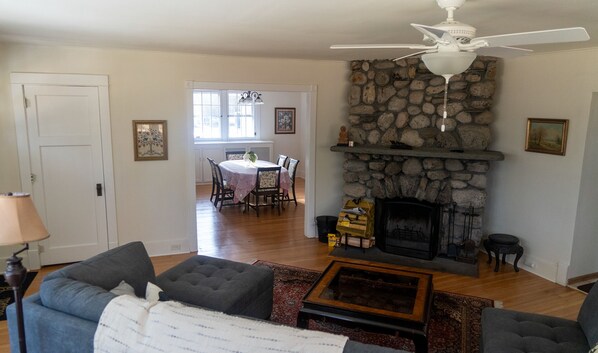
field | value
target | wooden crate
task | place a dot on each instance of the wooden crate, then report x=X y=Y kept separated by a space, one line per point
x=358 y=242
x=356 y=225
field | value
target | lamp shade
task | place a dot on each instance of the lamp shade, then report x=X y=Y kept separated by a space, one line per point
x=19 y=221
x=448 y=63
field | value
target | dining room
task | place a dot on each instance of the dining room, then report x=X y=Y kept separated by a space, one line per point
x=281 y=122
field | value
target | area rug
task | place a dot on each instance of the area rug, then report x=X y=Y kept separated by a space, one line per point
x=586 y=287
x=6 y=293
x=455 y=323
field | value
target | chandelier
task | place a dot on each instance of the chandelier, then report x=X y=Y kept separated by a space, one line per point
x=251 y=96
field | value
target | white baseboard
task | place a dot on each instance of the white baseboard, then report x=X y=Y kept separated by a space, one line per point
x=545 y=269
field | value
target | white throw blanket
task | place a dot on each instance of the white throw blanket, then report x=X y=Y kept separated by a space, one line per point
x=129 y=324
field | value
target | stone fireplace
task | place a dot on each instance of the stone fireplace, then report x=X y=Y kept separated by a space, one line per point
x=399 y=151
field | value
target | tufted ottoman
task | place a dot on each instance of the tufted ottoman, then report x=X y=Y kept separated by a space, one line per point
x=228 y=286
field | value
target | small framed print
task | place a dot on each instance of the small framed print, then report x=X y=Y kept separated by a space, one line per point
x=546 y=135
x=284 y=120
x=150 y=138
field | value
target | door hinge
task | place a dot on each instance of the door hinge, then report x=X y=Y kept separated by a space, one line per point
x=26 y=102
x=33 y=178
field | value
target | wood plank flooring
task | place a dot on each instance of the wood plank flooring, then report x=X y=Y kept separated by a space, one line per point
x=239 y=236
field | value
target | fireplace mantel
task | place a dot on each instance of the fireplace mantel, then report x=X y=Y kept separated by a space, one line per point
x=422 y=152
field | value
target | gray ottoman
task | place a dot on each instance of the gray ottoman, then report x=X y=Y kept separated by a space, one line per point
x=228 y=286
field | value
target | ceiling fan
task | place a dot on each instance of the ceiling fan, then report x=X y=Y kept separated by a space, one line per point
x=451 y=46
x=452 y=40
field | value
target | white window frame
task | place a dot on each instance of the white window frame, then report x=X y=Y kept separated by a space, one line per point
x=224 y=117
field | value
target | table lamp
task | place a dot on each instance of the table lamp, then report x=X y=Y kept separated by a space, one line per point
x=19 y=224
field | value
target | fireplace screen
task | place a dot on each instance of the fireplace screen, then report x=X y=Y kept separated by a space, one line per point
x=407 y=227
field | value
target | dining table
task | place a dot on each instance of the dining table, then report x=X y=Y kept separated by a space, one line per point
x=241 y=176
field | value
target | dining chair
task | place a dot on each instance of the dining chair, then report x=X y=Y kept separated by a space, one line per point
x=234 y=155
x=214 y=178
x=224 y=192
x=282 y=160
x=292 y=168
x=267 y=185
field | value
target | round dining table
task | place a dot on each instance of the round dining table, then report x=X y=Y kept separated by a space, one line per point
x=241 y=176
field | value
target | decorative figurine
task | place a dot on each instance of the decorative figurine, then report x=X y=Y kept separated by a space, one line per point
x=343 y=137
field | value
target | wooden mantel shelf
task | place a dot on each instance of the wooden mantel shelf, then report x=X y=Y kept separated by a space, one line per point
x=423 y=152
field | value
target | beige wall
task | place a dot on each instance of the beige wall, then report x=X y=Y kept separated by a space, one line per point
x=533 y=195
x=152 y=197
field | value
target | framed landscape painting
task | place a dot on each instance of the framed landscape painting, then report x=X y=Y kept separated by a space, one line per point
x=284 y=120
x=150 y=138
x=546 y=135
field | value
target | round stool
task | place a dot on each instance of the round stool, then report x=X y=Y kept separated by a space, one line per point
x=503 y=244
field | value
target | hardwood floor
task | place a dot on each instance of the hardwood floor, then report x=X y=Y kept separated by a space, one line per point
x=239 y=236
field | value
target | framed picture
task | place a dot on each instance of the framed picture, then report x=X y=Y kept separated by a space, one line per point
x=284 y=120
x=546 y=135
x=150 y=138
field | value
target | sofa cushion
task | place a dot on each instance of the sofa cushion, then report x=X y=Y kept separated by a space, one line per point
x=75 y=298
x=514 y=331
x=129 y=262
x=588 y=317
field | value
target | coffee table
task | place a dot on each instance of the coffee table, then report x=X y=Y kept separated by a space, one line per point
x=374 y=296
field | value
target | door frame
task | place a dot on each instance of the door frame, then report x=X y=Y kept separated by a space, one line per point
x=309 y=98
x=18 y=80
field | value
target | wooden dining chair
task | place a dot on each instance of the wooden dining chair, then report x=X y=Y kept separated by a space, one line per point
x=214 y=178
x=234 y=155
x=267 y=186
x=292 y=168
x=282 y=160
x=224 y=192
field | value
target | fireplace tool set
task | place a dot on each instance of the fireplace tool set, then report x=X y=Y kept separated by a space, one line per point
x=462 y=250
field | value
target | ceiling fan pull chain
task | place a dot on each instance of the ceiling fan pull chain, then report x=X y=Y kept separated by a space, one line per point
x=443 y=126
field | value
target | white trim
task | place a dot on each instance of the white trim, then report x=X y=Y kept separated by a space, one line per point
x=18 y=80
x=311 y=93
x=191 y=198
x=59 y=79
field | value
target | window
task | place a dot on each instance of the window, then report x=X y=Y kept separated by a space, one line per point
x=218 y=115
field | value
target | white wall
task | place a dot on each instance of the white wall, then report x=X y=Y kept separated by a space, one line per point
x=287 y=144
x=585 y=241
x=533 y=195
x=151 y=197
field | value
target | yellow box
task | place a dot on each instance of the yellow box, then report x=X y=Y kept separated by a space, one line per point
x=332 y=239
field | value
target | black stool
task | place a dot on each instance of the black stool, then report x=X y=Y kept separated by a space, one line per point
x=503 y=244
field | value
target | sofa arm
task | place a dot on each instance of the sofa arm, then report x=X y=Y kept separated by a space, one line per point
x=50 y=331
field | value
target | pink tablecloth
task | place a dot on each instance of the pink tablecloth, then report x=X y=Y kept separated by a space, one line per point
x=242 y=176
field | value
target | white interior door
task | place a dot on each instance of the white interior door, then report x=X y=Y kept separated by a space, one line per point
x=67 y=174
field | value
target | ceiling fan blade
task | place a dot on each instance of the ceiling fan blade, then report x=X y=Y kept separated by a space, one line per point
x=382 y=46
x=434 y=33
x=503 y=52
x=410 y=55
x=562 y=35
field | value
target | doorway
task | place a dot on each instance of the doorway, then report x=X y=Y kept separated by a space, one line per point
x=308 y=94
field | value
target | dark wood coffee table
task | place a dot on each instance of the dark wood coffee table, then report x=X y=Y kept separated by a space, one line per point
x=372 y=295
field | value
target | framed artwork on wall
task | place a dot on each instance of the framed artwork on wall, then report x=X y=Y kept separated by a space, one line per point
x=150 y=138
x=284 y=120
x=546 y=135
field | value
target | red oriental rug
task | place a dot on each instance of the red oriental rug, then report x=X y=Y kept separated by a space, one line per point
x=455 y=322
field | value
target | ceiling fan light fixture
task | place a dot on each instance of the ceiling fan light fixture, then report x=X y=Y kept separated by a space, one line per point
x=448 y=63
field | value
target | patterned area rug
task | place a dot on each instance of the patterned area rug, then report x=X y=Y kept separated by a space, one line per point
x=6 y=293
x=455 y=323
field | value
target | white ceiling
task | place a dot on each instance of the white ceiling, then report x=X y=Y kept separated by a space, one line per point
x=276 y=28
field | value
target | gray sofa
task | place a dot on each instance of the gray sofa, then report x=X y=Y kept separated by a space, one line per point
x=63 y=316
x=506 y=331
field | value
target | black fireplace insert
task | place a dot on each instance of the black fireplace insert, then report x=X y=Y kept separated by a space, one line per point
x=409 y=227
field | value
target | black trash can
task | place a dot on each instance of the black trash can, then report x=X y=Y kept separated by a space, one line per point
x=326 y=224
